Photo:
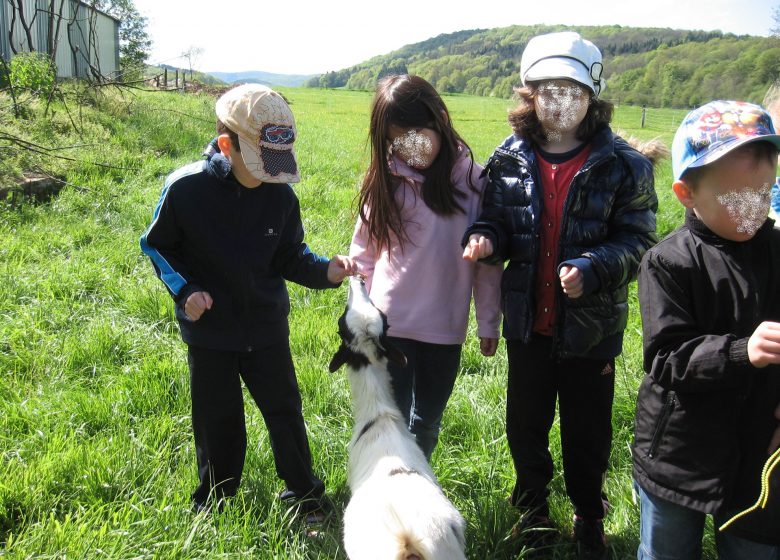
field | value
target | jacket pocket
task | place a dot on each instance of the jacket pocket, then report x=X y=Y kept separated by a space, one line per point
x=663 y=420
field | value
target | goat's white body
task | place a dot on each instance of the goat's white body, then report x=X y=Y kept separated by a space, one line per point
x=397 y=509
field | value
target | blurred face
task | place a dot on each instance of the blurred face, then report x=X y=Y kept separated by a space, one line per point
x=561 y=105
x=732 y=197
x=417 y=146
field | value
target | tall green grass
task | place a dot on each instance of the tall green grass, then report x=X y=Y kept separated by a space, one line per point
x=97 y=453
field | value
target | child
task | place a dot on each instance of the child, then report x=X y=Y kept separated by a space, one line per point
x=420 y=192
x=772 y=104
x=707 y=408
x=226 y=234
x=572 y=208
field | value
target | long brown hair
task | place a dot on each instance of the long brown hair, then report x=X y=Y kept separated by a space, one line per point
x=408 y=101
x=525 y=121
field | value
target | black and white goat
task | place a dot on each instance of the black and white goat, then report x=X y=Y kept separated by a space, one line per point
x=397 y=510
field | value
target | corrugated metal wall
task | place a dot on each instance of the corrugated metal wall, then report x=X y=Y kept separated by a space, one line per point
x=5 y=47
x=76 y=49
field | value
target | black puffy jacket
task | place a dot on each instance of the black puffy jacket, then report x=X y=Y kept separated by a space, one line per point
x=608 y=223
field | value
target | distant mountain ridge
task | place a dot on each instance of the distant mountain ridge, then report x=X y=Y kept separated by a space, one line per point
x=643 y=66
x=260 y=77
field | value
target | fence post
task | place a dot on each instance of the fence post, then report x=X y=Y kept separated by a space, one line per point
x=165 y=79
x=177 y=78
x=644 y=109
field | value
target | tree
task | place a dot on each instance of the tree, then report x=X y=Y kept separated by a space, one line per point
x=134 y=41
x=192 y=55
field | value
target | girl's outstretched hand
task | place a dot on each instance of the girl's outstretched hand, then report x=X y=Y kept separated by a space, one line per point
x=340 y=267
x=488 y=346
x=477 y=248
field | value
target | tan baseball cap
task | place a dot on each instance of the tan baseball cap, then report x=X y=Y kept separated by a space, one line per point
x=266 y=131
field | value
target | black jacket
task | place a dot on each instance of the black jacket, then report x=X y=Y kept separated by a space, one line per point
x=705 y=415
x=239 y=244
x=608 y=223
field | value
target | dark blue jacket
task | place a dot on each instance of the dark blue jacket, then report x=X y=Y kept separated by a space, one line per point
x=608 y=223
x=240 y=245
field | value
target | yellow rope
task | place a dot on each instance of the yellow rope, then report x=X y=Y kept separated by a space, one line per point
x=766 y=473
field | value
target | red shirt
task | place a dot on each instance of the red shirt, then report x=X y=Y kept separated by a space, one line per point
x=556 y=179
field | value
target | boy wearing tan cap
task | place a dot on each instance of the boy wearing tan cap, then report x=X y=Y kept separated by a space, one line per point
x=225 y=236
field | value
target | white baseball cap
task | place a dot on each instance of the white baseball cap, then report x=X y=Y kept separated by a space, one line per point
x=266 y=131
x=563 y=55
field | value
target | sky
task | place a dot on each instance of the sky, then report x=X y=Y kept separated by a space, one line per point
x=316 y=36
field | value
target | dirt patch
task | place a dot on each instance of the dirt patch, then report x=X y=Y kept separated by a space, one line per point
x=32 y=188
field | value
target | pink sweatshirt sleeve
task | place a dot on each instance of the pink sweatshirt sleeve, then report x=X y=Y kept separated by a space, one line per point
x=487 y=299
x=487 y=282
x=363 y=252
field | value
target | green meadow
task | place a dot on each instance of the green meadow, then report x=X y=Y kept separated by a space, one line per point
x=97 y=453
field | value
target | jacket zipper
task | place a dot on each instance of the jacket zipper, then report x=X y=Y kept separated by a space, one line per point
x=660 y=428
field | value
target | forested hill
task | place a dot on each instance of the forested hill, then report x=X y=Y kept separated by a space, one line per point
x=656 y=67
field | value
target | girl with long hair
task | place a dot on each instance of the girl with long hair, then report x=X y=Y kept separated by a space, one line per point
x=421 y=191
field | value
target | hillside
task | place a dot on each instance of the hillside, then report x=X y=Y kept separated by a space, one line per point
x=257 y=76
x=643 y=66
x=196 y=76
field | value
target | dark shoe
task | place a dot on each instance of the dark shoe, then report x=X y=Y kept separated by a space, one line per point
x=312 y=512
x=537 y=531
x=287 y=495
x=590 y=538
x=208 y=507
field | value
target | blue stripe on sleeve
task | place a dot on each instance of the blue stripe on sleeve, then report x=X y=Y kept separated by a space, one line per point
x=172 y=279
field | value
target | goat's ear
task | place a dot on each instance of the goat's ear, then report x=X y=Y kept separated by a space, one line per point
x=393 y=353
x=339 y=358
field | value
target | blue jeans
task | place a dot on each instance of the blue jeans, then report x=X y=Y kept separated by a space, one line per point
x=668 y=531
x=424 y=386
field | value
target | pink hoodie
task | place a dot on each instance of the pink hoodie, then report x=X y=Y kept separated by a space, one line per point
x=425 y=291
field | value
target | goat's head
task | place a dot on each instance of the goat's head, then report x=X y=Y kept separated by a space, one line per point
x=363 y=332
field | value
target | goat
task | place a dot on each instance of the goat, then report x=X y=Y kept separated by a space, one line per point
x=397 y=510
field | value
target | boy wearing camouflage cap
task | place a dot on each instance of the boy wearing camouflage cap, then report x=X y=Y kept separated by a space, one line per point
x=225 y=236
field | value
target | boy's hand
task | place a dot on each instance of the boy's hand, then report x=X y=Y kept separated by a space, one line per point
x=197 y=303
x=571 y=281
x=478 y=247
x=340 y=267
x=488 y=346
x=764 y=345
x=774 y=443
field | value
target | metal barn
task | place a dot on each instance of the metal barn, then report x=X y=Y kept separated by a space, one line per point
x=86 y=36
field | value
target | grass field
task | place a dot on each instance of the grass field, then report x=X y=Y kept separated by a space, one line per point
x=97 y=452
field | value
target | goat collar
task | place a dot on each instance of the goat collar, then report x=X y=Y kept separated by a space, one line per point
x=367 y=427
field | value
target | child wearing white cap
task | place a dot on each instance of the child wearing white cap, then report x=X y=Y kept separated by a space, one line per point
x=707 y=418
x=225 y=235
x=571 y=208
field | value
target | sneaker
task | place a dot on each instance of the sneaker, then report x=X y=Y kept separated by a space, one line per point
x=590 y=538
x=537 y=531
x=208 y=507
x=312 y=512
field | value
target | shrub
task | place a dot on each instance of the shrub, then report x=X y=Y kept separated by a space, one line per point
x=34 y=72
